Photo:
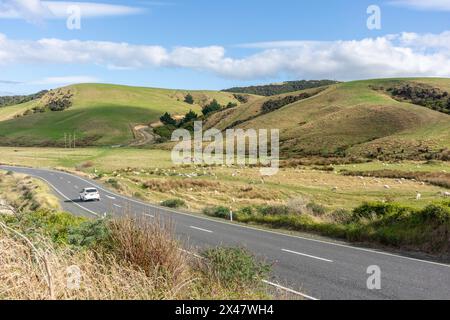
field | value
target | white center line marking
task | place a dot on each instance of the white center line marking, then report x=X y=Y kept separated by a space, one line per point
x=116 y=205
x=289 y=290
x=200 y=229
x=112 y=198
x=76 y=187
x=149 y=215
x=69 y=182
x=306 y=255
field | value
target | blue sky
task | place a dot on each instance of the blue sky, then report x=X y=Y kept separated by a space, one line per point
x=204 y=44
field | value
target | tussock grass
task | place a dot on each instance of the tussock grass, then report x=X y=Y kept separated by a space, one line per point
x=125 y=259
x=26 y=273
x=150 y=246
x=168 y=185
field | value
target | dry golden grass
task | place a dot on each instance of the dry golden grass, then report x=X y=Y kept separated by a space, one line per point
x=39 y=272
x=142 y=262
x=151 y=247
x=24 y=192
x=164 y=185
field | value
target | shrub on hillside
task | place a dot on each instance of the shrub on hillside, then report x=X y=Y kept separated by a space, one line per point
x=165 y=132
x=189 y=99
x=114 y=183
x=58 y=226
x=167 y=119
x=173 y=203
x=241 y=98
x=423 y=95
x=378 y=210
x=436 y=214
x=211 y=107
x=246 y=211
x=316 y=209
x=219 y=212
x=231 y=265
x=92 y=233
x=274 y=210
x=340 y=216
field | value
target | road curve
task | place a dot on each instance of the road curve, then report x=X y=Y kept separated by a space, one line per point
x=313 y=268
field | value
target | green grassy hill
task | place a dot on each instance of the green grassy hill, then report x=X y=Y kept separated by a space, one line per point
x=359 y=118
x=354 y=118
x=101 y=114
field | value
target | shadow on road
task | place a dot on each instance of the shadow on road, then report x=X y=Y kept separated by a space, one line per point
x=74 y=200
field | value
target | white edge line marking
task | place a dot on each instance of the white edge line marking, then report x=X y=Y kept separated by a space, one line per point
x=149 y=215
x=289 y=290
x=116 y=205
x=306 y=255
x=239 y=225
x=200 y=229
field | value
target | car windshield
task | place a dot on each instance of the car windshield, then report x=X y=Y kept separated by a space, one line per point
x=91 y=190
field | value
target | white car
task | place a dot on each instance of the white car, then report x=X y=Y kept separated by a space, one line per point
x=89 y=194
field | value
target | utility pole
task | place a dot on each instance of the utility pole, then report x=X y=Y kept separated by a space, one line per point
x=74 y=139
x=65 y=140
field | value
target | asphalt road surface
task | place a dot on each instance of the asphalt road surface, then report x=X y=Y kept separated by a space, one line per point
x=314 y=269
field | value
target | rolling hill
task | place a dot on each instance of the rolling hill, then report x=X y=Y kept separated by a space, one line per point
x=360 y=118
x=100 y=114
x=354 y=118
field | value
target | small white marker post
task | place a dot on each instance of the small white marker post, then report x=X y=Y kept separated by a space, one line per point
x=231 y=215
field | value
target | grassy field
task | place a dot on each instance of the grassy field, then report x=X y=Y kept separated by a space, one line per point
x=150 y=175
x=303 y=198
x=101 y=114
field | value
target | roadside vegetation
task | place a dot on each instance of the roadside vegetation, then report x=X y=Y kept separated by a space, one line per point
x=388 y=224
x=126 y=258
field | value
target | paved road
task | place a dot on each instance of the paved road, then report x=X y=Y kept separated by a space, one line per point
x=313 y=268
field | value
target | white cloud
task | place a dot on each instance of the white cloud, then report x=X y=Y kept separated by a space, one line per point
x=436 y=5
x=65 y=80
x=405 y=54
x=37 y=11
